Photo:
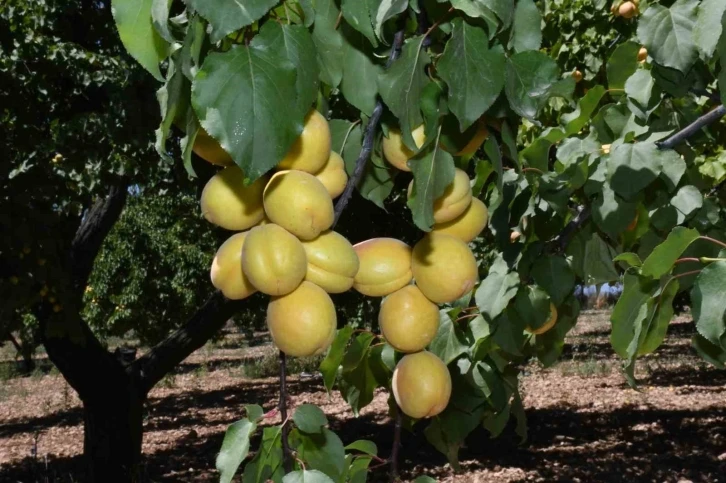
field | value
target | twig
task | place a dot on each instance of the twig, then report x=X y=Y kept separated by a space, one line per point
x=368 y=139
x=286 y=454
x=396 y=444
x=688 y=259
x=563 y=239
x=423 y=22
x=693 y=128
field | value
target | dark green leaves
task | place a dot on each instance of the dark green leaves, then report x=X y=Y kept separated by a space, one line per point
x=360 y=14
x=667 y=33
x=554 y=274
x=622 y=64
x=331 y=363
x=632 y=167
x=322 y=451
x=401 y=87
x=387 y=10
x=661 y=260
x=527 y=27
x=328 y=42
x=450 y=341
x=360 y=74
x=137 y=32
x=306 y=476
x=495 y=292
x=433 y=171
x=532 y=77
x=309 y=418
x=709 y=26
x=227 y=16
x=474 y=74
x=709 y=309
x=243 y=98
x=236 y=445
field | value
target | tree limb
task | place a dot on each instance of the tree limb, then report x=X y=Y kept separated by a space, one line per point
x=163 y=357
x=559 y=244
x=368 y=139
x=693 y=128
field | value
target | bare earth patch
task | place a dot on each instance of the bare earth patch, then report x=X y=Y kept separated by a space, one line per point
x=585 y=423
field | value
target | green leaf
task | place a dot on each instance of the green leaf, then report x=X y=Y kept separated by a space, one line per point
x=306 y=476
x=424 y=479
x=592 y=258
x=360 y=74
x=709 y=26
x=662 y=259
x=173 y=99
x=487 y=9
x=309 y=418
x=554 y=274
x=295 y=41
x=386 y=11
x=643 y=94
x=138 y=35
x=709 y=310
x=527 y=27
x=622 y=64
x=667 y=33
x=713 y=353
x=611 y=212
x=629 y=313
x=531 y=307
x=474 y=74
x=235 y=447
x=632 y=167
x=160 y=19
x=360 y=14
x=579 y=118
x=688 y=200
x=508 y=332
x=254 y=412
x=328 y=42
x=323 y=451
x=334 y=358
x=267 y=462
x=656 y=325
x=495 y=292
x=356 y=353
x=358 y=471
x=227 y=16
x=450 y=341
x=630 y=258
x=433 y=171
x=491 y=148
x=242 y=98
x=364 y=446
x=401 y=87
x=531 y=79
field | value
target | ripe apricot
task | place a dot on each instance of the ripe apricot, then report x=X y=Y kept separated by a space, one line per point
x=421 y=385
x=332 y=262
x=455 y=199
x=226 y=272
x=577 y=75
x=385 y=266
x=303 y=322
x=480 y=135
x=627 y=10
x=467 y=225
x=408 y=320
x=273 y=260
x=228 y=203
x=642 y=54
x=396 y=152
x=298 y=202
x=443 y=267
x=311 y=150
x=333 y=175
x=207 y=148
x=549 y=323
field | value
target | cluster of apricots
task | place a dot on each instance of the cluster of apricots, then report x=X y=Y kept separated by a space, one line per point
x=285 y=247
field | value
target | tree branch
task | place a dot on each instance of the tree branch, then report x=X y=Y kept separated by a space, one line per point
x=286 y=453
x=93 y=230
x=559 y=244
x=693 y=128
x=368 y=139
x=163 y=357
x=396 y=444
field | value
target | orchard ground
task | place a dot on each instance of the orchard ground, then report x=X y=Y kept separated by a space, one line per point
x=585 y=423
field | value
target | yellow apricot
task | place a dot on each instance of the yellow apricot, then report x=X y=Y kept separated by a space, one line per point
x=481 y=135
x=385 y=266
x=455 y=199
x=396 y=152
x=226 y=272
x=332 y=262
x=298 y=202
x=333 y=175
x=468 y=225
x=228 y=203
x=627 y=10
x=421 y=385
x=303 y=322
x=408 y=320
x=642 y=54
x=273 y=260
x=311 y=150
x=577 y=75
x=443 y=267
x=207 y=148
x=549 y=323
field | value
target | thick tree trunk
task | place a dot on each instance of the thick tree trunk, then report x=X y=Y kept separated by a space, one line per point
x=112 y=436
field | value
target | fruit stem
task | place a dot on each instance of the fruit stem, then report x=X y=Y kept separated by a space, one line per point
x=396 y=444
x=688 y=259
x=711 y=260
x=286 y=454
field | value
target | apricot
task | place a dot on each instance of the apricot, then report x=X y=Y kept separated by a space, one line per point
x=443 y=267
x=311 y=150
x=332 y=262
x=455 y=199
x=408 y=319
x=228 y=203
x=303 y=322
x=627 y=10
x=333 y=175
x=480 y=135
x=207 y=148
x=577 y=75
x=549 y=323
x=642 y=54
x=467 y=225
x=273 y=260
x=226 y=272
x=385 y=266
x=396 y=152
x=298 y=202
x=421 y=385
